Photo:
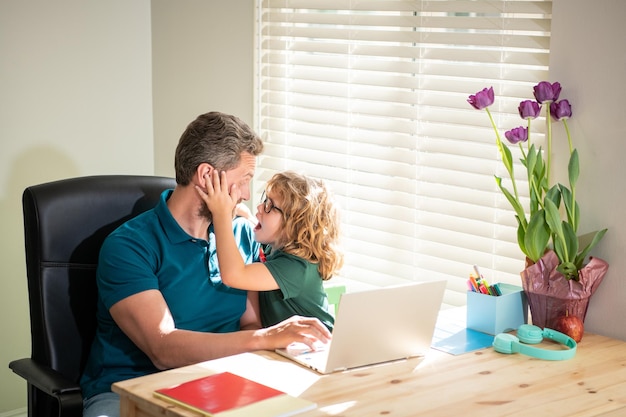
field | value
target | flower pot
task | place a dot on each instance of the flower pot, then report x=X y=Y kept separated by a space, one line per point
x=551 y=295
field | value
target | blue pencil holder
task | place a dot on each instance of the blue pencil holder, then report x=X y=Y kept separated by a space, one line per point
x=492 y=315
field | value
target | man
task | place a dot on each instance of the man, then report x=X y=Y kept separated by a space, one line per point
x=161 y=302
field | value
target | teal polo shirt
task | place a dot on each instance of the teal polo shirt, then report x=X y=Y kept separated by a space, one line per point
x=152 y=252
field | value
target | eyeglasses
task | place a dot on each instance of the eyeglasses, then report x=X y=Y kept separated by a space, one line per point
x=268 y=205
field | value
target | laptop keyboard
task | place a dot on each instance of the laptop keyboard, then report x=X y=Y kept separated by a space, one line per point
x=298 y=348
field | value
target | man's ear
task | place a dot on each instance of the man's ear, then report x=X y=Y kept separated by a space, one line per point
x=203 y=172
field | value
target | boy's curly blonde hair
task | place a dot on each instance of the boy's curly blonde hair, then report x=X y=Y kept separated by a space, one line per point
x=311 y=220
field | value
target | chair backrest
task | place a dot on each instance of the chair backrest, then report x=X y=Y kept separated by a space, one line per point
x=65 y=223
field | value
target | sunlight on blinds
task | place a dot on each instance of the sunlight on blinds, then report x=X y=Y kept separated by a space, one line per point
x=371 y=96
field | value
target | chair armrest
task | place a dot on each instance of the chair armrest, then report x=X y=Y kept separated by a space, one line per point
x=44 y=378
x=67 y=393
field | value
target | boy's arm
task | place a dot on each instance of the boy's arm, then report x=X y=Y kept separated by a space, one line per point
x=233 y=270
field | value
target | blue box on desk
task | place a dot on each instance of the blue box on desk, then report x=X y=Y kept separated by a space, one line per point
x=492 y=315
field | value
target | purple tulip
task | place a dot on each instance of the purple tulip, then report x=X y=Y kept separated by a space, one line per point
x=529 y=109
x=546 y=92
x=560 y=110
x=482 y=99
x=519 y=134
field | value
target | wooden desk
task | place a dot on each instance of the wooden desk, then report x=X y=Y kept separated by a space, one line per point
x=481 y=383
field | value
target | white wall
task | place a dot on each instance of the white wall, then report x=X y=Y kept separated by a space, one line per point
x=588 y=58
x=203 y=61
x=75 y=99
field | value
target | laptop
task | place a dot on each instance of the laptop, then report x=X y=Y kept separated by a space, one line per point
x=376 y=326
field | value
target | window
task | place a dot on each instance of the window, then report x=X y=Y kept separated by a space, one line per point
x=372 y=97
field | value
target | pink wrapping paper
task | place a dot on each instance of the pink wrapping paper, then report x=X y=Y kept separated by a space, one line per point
x=550 y=295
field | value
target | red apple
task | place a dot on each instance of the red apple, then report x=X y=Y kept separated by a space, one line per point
x=571 y=326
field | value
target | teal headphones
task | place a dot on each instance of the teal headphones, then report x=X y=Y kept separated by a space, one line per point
x=527 y=335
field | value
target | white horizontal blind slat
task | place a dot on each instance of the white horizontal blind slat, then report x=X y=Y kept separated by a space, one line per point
x=372 y=97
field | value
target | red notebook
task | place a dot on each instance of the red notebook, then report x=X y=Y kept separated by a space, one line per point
x=229 y=395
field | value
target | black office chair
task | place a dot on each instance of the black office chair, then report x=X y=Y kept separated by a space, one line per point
x=65 y=223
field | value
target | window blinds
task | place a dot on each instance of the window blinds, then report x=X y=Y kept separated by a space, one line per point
x=371 y=96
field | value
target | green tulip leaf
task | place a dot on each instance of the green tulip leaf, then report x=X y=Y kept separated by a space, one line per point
x=521 y=233
x=573 y=169
x=559 y=248
x=571 y=206
x=554 y=195
x=580 y=258
x=537 y=236
x=553 y=218
x=507 y=158
x=517 y=206
x=571 y=242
